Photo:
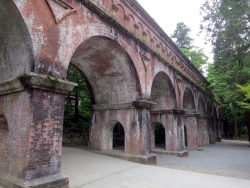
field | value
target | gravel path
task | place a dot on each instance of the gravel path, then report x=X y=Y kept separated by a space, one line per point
x=228 y=158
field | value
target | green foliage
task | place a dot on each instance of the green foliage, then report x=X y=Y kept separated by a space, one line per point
x=196 y=56
x=226 y=24
x=184 y=42
x=181 y=34
x=158 y=51
x=77 y=105
x=245 y=103
x=144 y=38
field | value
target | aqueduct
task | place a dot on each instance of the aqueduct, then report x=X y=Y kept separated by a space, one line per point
x=136 y=74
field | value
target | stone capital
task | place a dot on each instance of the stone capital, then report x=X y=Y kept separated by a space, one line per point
x=118 y=106
x=37 y=81
x=173 y=111
x=192 y=115
x=143 y=104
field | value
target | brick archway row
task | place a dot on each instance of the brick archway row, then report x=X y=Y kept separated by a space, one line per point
x=41 y=38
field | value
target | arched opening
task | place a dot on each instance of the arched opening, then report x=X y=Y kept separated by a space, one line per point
x=111 y=79
x=190 y=121
x=160 y=137
x=202 y=123
x=215 y=123
x=188 y=102
x=114 y=136
x=108 y=69
x=16 y=51
x=210 y=123
x=118 y=137
x=185 y=136
x=77 y=110
x=201 y=107
x=163 y=93
x=4 y=143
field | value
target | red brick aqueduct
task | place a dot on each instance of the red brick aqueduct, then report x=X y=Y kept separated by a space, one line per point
x=136 y=74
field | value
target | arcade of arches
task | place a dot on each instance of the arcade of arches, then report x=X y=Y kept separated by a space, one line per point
x=129 y=83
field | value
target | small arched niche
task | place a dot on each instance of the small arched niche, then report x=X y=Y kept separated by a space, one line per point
x=185 y=136
x=158 y=135
x=114 y=136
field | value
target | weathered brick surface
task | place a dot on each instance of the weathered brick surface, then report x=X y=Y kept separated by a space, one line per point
x=35 y=121
x=172 y=124
x=4 y=139
x=192 y=132
x=16 y=109
x=105 y=43
x=134 y=122
x=45 y=133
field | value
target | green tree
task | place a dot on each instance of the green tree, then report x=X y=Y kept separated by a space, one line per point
x=196 y=56
x=183 y=40
x=226 y=24
x=77 y=105
x=182 y=36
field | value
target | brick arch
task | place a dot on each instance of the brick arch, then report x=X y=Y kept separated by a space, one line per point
x=201 y=105
x=107 y=135
x=121 y=13
x=131 y=22
x=163 y=92
x=148 y=34
x=16 y=51
x=188 y=100
x=108 y=69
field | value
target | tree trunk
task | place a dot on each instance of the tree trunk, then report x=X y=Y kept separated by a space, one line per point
x=247 y=113
x=235 y=127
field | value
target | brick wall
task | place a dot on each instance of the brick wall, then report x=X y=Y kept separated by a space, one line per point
x=4 y=139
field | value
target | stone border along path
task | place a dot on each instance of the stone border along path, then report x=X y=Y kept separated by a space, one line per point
x=91 y=170
x=229 y=158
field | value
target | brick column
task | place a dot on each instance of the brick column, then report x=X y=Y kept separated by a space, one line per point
x=4 y=139
x=135 y=119
x=193 y=137
x=35 y=119
x=203 y=130
x=173 y=123
x=210 y=121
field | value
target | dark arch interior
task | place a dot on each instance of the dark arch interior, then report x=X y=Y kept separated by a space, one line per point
x=188 y=101
x=185 y=136
x=163 y=93
x=16 y=54
x=118 y=136
x=108 y=69
x=114 y=136
x=160 y=136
